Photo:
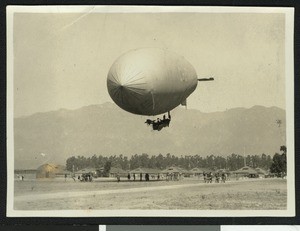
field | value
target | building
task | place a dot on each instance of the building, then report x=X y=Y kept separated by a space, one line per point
x=154 y=174
x=89 y=170
x=198 y=171
x=51 y=171
x=173 y=173
x=26 y=173
x=114 y=172
x=262 y=173
x=246 y=172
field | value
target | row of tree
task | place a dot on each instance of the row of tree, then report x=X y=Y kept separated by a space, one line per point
x=232 y=162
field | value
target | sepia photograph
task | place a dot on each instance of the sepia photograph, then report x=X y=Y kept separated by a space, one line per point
x=134 y=111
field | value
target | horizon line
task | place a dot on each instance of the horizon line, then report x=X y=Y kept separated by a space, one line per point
x=78 y=108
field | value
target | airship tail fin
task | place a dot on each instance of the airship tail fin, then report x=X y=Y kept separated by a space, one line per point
x=183 y=102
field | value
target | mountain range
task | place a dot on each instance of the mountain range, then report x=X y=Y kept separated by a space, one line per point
x=105 y=129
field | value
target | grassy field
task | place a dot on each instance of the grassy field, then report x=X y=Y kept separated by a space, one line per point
x=258 y=194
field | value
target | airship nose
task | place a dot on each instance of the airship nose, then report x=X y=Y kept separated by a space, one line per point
x=128 y=88
x=134 y=83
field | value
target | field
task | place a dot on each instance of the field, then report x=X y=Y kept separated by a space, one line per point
x=256 y=194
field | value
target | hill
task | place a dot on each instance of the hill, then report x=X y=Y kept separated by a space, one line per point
x=107 y=130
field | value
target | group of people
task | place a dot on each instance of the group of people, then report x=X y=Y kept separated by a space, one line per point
x=208 y=177
x=160 y=123
x=20 y=177
x=173 y=176
x=133 y=176
x=219 y=177
x=85 y=178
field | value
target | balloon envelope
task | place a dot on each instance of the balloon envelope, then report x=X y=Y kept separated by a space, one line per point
x=150 y=81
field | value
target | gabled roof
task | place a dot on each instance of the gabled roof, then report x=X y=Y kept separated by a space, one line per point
x=173 y=169
x=261 y=171
x=199 y=170
x=222 y=171
x=245 y=170
x=145 y=170
x=86 y=170
x=117 y=170
x=55 y=168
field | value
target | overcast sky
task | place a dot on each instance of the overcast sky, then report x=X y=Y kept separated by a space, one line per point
x=62 y=60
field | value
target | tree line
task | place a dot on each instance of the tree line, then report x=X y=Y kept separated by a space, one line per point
x=213 y=162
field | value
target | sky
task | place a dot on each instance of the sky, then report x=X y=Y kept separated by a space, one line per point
x=61 y=60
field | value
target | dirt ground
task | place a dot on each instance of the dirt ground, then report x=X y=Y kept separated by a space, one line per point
x=257 y=194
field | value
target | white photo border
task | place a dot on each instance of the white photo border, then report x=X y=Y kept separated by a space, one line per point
x=289 y=78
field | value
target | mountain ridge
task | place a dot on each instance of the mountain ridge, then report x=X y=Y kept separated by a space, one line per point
x=115 y=106
x=108 y=130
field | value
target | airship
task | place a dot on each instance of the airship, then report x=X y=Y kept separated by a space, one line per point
x=150 y=82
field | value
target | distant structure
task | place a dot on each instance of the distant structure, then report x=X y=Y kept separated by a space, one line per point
x=50 y=171
x=114 y=172
x=26 y=173
x=262 y=173
x=94 y=172
x=246 y=172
